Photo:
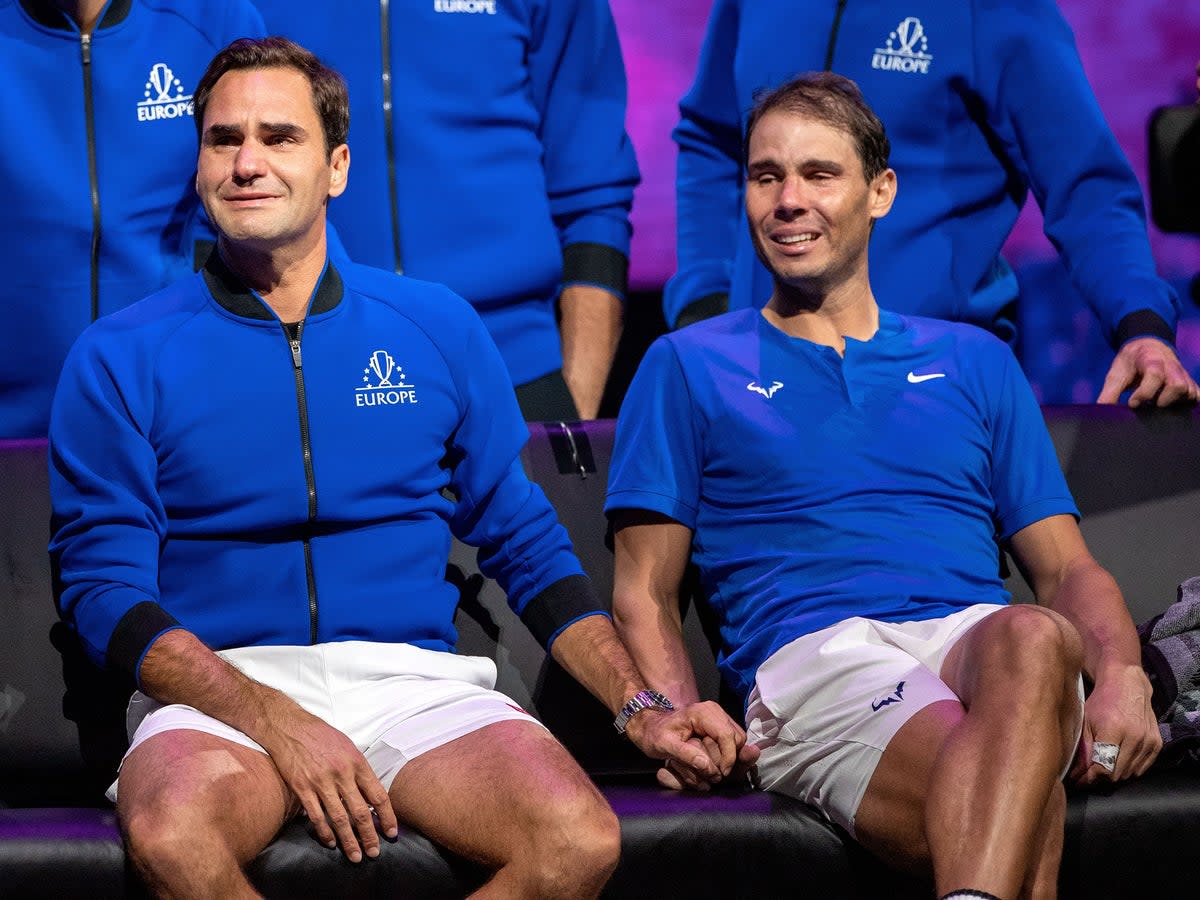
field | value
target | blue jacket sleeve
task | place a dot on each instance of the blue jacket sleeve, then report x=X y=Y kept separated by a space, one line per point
x=577 y=77
x=708 y=175
x=107 y=521
x=521 y=543
x=1040 y=104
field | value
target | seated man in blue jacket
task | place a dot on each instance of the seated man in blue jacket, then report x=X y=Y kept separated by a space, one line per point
x=250 y=482
x=841 y=474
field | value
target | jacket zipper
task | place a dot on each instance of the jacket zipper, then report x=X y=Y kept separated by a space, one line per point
x=385 y=39
x=85 y=49
x=293 y=332
x=833 y=35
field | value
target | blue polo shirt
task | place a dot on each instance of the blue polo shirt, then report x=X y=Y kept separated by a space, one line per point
x=821 y=487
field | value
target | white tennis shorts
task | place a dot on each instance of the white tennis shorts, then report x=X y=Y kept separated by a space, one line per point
x=824 y=706
x=394 y=701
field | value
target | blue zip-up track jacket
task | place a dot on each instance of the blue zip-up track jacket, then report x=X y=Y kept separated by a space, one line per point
x=98 y=169
x=258 y=484
x=488 y=151
x=982 y=100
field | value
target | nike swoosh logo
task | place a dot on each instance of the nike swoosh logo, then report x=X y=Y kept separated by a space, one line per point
x=914 y=378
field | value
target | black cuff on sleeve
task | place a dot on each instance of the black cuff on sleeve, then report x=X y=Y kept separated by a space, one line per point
x=704 y=308
x=596 y=264
x=134 y=633
x=1144 y=323
x=560 y=604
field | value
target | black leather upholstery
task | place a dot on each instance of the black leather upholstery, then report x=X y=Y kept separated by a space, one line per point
x=1136 y=478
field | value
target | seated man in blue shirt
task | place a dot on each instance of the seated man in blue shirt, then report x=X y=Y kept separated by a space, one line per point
x=251 y=478
x=840 y=475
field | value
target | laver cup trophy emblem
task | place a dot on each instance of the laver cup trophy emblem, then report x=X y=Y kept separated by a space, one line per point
x=378 y=388
x=383 y=364
x=909 y=32
x=162 y=80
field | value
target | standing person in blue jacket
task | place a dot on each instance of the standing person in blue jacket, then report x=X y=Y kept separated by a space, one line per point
x=251 y=479
x=984 y=100
x=841 y=475
x=491 y=156
x=99 y=208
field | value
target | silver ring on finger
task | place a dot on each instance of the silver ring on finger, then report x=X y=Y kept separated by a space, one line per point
x=1105 y=755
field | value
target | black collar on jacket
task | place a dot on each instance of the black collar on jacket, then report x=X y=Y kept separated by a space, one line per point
x=232 y=293
x=52 y=17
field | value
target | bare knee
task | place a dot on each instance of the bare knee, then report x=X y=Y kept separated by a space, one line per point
x=160 y=837
x=1033 y=642
x=575 y=845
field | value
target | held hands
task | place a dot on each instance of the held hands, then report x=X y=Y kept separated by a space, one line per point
x=699 y=743
x=333 y=782
x=1118 y=712
x=1155 y=373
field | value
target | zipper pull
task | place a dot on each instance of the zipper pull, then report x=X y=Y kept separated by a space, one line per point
x=85 y=48
x=293 y=331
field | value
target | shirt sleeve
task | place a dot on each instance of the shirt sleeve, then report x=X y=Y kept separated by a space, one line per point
x=1041 y=106
x=1027 y=482
x=708 y=174
x=578 y=82
x=521 y=543
x=658 y=453
x=108 y=523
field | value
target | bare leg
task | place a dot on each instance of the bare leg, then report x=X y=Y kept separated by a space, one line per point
x=968 y=786
x=195 y=808
x=510 y=796
x=1041 y=882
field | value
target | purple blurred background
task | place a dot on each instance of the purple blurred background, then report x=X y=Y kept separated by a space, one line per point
x=1138 y=55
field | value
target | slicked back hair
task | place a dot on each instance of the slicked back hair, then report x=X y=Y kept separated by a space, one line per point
x=329 y=94
x=833 y=100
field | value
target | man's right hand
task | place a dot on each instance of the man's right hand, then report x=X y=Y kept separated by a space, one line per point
x=332 y=780
x=319 y=764
x=719 y=751
x=1153 y=371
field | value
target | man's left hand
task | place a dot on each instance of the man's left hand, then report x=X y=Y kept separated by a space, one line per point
x=1155 y=373
x=1118 y=712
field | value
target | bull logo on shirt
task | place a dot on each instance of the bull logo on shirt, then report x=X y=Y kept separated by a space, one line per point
x=894 y=697
x=766 y=392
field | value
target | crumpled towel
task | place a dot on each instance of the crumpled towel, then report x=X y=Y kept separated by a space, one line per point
x=1171 y=658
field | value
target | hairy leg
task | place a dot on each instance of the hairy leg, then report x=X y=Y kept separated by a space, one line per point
x=195 y=808
x=510 y=796
x=968 y=786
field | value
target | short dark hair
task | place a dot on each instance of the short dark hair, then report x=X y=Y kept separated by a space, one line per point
x=329 y=94
x=834 y=100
